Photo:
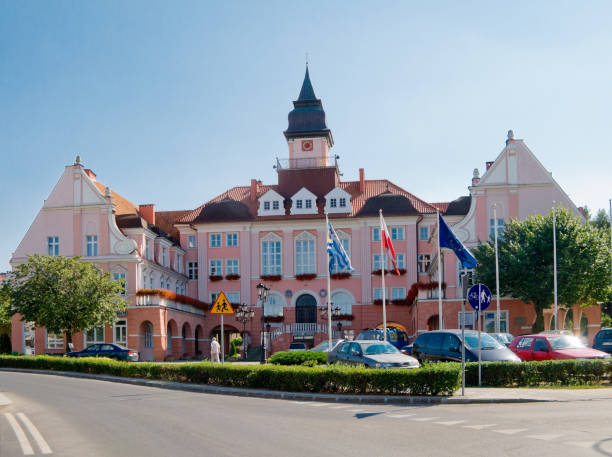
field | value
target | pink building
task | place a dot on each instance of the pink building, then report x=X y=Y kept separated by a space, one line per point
x=276 y=234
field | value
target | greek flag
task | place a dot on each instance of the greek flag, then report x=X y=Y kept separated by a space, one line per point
x=337 y=255
x=450 y=241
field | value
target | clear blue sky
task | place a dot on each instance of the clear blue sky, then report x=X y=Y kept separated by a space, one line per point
x=173 y=102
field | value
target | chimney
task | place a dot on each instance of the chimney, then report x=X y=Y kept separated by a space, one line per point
x=148 y=212
x=253 y=190
x=361 y=180
x=475 y=177
x=91 y=174
x=489 y=164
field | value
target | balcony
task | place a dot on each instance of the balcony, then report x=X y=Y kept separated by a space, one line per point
x=307 y=162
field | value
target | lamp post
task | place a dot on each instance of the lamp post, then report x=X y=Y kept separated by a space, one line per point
x=244 y=314
x=335 y=312
x=262 y=293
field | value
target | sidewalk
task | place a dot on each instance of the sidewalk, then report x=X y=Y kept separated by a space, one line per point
x=473 y=395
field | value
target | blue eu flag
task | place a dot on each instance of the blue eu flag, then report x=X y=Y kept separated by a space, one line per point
x=450 y=241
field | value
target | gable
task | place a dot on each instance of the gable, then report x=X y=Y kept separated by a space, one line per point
x=334 y=200
x=267 y=205
x=304 y=202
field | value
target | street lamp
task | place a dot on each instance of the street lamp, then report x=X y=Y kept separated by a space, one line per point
x=244 y=314
x=262 y=293
x=336 y=310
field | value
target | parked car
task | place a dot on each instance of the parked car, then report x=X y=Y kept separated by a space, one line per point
x=112 y=351
x=297 y=347
x=445 y=346
x=323 y=346
x=503 y=338
x=372 y=354
x=603 y=340
x=553 y=346
x=557 y=332
x=397 y=338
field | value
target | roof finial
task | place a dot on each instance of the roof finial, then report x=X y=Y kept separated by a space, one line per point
x=77 y=161
x=306 y=59
x=510 y=136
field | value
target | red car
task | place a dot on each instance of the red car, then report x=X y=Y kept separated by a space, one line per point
x=553 y=347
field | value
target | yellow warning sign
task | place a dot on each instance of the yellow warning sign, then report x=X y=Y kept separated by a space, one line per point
x=221 y=305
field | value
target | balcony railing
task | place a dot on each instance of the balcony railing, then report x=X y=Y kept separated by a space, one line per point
x=153 y=300
x=307 y=162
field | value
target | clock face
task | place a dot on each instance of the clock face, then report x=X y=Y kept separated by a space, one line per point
x=306 y=145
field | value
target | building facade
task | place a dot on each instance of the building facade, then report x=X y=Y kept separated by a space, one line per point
x=176 y=263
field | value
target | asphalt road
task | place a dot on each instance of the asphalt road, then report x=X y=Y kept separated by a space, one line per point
x=77 y=417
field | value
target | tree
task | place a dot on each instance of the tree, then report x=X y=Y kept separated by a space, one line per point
x=526 y=263
x=5 y=309
x=602 y=221
x=64 y=295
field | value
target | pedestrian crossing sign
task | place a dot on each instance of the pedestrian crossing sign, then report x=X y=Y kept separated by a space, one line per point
x=221 y=305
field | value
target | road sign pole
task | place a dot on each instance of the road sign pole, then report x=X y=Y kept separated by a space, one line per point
x=222 y=342
x=479 y=349
x=463 y=341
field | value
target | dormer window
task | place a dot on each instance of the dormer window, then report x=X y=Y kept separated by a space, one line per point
x=275 y=204
x=301 y=202
x=270 y=204
x=338 y=201
x=267 y=206
x=333 y=203
x=343 y=203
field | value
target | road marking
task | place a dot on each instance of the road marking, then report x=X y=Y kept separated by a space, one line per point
x=40 y=441
x=479 y=427
x=423 y=419
x=4 y=401
x=355 y=410
x=511 y=431
x=400 y=416
x=340 y=407
x=316 y=404
x=544 y=437
x=449 y=422
x=19 y=433
x=585 y=444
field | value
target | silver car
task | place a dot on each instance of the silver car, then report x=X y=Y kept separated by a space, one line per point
x=372 y=354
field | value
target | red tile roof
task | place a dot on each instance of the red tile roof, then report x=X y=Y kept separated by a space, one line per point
x=122 y=204
x=441 y=206
x=358 y=199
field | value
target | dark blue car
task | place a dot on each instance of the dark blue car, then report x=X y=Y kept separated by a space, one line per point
x=112 y=351
x=397 y=338
x=603 y=340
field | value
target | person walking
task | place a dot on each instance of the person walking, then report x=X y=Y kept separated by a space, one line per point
x=215 y=348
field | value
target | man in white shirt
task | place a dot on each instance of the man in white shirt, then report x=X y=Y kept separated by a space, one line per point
x=215 y=348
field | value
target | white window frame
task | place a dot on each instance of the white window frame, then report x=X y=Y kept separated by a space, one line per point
x=215 y=240
x=333 y=202
x=192 y=241
x=53 y=341
x=377 y=262
x=233 y=297
x=213 y=296
x=148 y=249
x=232 y=266
x=121 y=275
x=423 y=263
x=398 y=293
x=164 y=254
x=192 y=270
x=232 y=239
x=397 y=233
x=376 y=234
x=53 y=245
x=501 y=225
x=305 y=261
x=275 y=205
x=424 y=233
x=96 y=331
x=298 y=203
x=120 y=325
x=215 y=267
x=378 y=291
x=308 y=204
x=274 y=305
x=401 y=261
x=266 y=206
x=470 y=320
x=271 y=262
x=148 y=335
x=342 y=202
x=91 y=245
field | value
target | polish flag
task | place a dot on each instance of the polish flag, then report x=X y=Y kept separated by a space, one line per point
x=385 y=239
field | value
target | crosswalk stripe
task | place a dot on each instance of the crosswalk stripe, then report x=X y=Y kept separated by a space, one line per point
x=40 y=441
x=26 y=448
x=340 y=407
x=449 y=422
x=479 y=427
x=355 y=410
x=400 y=416
x=510 y=431
x=544 y=437
x=584 y=444
x=423 y=419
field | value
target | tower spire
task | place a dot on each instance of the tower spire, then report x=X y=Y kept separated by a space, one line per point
x=307 y=92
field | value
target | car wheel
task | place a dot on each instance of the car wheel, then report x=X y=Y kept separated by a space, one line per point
x=114 y=357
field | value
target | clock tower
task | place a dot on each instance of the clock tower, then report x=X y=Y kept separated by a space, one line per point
x=308 y=137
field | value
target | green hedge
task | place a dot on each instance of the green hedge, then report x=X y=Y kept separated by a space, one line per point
x=549 y=372
x=442 y=379
x=298 y=357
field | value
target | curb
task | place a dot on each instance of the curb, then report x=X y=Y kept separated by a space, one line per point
x=280 y=395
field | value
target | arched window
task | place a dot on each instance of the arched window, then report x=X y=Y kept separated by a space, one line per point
x=344 y=301
x=271 y=255
x=148 y=335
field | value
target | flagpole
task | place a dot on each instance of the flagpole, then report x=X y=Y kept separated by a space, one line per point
x=610 y=220
x=382 y=275
x=329 y=312
x=497 y=330
x=555 y=261
x=439 y=275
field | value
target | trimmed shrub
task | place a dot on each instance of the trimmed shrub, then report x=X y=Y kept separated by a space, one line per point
x=548 y=372
x=298 y=357
x=430 y=380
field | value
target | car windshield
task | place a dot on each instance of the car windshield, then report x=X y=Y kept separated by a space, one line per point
x=565 y=342
x=378 y=348
x=322 y=346
x=486 y=341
